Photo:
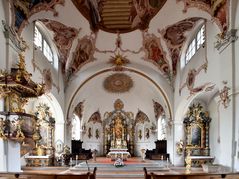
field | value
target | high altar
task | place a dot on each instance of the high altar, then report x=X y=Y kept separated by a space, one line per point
x=118 y=133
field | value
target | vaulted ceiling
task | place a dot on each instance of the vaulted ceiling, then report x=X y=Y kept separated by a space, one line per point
x=162 y=48
x=119 y=34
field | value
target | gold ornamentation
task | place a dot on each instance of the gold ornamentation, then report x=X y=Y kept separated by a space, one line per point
x=118 y=105
x=79 y=109
x=97 y=134
x=19 y=82
x=118 y=61
x=141 y=117
x=16 y=103
x=89 y=133
x=147 y=133
x=140 y=134
x=20 y=136
x=2 y=127
x=179 y=146
x=188 y=161
x=95 y=117
x=118 y=83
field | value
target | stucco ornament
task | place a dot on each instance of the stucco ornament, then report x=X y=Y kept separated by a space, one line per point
x=224 y=95
x=118 y=83
x=175 y=37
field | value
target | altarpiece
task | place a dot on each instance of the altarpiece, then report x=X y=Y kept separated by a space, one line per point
x=118 y=130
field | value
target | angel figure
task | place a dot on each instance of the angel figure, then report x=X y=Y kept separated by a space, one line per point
x=224 y=96
x=179 y=146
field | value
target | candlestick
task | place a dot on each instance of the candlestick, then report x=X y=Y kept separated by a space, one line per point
x=71 y=163
x=76 y=159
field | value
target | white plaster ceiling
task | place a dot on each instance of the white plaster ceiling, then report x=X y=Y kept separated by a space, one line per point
x=105 y=44
x=140 y=96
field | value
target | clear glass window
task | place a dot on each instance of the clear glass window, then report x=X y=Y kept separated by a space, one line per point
x=47 y=52
x=76 y=127
x=195 y=44
x=201 y=37
x=43 y=45
x=191 y=51
x=37 y=38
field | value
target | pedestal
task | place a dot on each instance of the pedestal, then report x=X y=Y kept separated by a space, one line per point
x=197 y=161
x=39 y=161
x=13 y=156
x=3 y=166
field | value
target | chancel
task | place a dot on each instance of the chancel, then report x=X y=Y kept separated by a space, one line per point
x=119 y=89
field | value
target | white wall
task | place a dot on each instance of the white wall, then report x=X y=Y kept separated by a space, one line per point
x=2 y=38
x=219 y=69
x=235 y=25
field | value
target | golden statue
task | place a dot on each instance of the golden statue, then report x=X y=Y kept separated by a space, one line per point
x=2 y=126
x=188 y=162
x=118 y=128
x=119 y=140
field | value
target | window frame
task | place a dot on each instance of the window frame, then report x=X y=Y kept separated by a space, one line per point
x=42 y=47
x=199 y=39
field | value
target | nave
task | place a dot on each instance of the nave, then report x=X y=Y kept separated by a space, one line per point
x=133 y=168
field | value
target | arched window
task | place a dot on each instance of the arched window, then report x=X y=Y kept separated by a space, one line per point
x=76 y=127
x=197 y=42
x=41 y=43
x=162 y=124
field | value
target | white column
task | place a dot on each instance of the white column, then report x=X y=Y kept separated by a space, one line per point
x=59 y=132
x=13 y=156
x=178 y=135
x=3 y=162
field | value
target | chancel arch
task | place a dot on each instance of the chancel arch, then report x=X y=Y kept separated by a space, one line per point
x=138 y=99
x=165 y=99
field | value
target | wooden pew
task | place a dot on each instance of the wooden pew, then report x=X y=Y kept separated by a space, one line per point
x=81 y=176
x=93 y=175
x=146 y=175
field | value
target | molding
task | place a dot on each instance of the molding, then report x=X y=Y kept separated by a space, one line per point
x=224 y=40
x=17 y=43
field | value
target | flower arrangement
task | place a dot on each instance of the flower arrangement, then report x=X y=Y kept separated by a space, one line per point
x=119 y=162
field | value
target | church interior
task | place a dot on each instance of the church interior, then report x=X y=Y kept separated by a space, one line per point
x=119 y=89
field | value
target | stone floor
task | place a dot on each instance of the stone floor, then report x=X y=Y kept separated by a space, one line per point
x=133 y=168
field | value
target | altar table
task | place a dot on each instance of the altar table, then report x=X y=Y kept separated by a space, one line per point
x=118 y=153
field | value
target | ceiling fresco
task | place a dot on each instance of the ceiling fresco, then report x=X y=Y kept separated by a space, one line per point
x=119 y=15
x=155 y=53
x=218 y=9
x=82 y=55
x=174 y=35
x=24 y=9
